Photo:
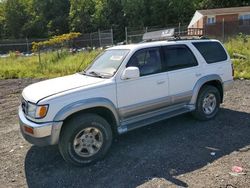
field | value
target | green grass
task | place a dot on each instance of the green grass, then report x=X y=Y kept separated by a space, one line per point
x=240 y=45
x=51 y=65
x=242 y=69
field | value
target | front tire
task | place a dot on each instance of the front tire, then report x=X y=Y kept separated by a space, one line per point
x=207 y=104
x=85 y=139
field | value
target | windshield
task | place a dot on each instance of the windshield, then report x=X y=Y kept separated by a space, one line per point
x=106 y=64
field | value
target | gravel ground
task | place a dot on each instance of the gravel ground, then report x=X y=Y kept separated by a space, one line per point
x=179 y=152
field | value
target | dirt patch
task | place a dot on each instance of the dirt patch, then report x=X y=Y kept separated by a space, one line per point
x=177 y=152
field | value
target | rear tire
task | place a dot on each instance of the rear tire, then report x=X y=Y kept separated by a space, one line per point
x=207 y=104
x=85 y=139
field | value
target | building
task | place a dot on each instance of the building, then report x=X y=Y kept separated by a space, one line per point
x=221 y=22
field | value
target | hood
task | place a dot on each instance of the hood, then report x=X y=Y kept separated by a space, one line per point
x=41 y=90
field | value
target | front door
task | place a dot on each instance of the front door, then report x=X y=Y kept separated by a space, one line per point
x=149 y=91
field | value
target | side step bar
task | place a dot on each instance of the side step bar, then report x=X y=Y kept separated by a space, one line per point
x=141 y=121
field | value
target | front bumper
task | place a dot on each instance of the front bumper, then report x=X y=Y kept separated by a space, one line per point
x=42 y=133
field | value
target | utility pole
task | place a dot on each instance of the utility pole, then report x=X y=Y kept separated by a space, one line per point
x=126 y=35
x=112 y=36
x=223 y=30
x=179 y=28
x=27 y=45
x=90 y=35
x=100 y=40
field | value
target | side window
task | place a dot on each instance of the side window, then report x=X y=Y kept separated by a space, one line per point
x=212 y=52
x=244 y=19
x=178 y=57
x=148 y=61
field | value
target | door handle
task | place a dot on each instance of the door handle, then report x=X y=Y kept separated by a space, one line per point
x=161 y=82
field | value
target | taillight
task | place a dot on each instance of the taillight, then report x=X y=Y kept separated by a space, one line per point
x=232 y=69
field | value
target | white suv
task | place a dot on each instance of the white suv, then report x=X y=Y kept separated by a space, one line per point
x=126 y=87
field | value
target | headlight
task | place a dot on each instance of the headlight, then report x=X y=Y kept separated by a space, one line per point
x=37 y=111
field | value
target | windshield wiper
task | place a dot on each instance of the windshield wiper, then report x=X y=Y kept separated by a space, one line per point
x=97 y=74
x=83 y=72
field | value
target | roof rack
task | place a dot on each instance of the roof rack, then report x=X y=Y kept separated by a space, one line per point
x=188 y=37
x=170 y=35
x=158 y=35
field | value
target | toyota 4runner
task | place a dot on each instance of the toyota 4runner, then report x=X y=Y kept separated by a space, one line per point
x=126 y=87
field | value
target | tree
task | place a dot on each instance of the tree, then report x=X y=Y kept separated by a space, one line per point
x=182 y=10
x=35 y=18
x=35 y=25
x=56 y=14
x=158 y=13
x=55 y=42
x=117 y=18
x=134 y=11
x=15 y=17
x=100 y=17
x=47 y=18
x=81 y=15
x=206 y=4
x=2 y=20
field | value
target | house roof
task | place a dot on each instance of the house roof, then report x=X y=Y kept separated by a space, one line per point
x=218 y=11
x=231 y=10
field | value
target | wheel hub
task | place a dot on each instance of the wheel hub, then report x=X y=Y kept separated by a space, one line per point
x=88 y=142
x=88 y=139
x=209 y=104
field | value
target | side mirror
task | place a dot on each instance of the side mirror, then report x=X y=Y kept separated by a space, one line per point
x=130 y=73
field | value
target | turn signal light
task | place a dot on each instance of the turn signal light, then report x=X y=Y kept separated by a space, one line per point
x=28 y=130
x=42 y=111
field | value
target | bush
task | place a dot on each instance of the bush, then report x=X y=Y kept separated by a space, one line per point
x=51 y=66
x=240 y=45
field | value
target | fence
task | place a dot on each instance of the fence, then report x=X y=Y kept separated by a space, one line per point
x=22 y=45
x=103 y=38
x=96 y=39
x=226 y=29
x=220 y=30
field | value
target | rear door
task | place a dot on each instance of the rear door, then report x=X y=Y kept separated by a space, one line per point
x=183 y=71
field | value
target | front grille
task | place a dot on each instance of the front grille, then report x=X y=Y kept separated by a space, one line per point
x=24 y=105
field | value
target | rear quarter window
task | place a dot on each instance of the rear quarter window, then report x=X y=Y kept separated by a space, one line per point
x=212 y=52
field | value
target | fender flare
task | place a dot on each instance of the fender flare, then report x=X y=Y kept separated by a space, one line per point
x=201 y=82
x=84 y=105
